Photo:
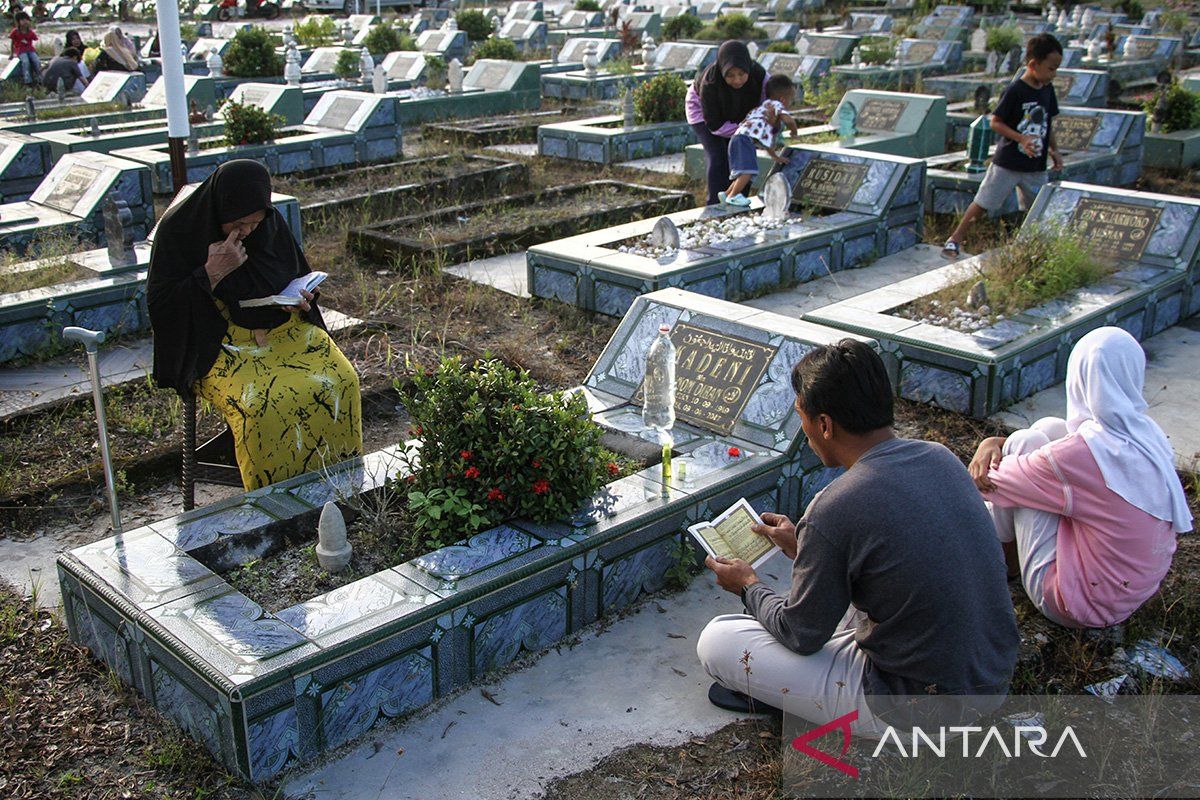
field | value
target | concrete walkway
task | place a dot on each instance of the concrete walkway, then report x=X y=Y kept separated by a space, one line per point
x=639 y=681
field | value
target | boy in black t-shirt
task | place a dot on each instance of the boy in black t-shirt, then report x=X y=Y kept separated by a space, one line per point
x=1022 y=122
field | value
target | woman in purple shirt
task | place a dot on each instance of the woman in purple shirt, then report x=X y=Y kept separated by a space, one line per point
x=717 y=102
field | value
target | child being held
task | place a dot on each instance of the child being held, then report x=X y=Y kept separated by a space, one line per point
x=758 y=130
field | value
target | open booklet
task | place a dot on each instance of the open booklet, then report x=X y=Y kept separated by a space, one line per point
x=290 y=295
x=729 y=536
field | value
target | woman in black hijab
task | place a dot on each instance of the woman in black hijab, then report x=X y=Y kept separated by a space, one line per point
x=717 y=102
x=287 y=392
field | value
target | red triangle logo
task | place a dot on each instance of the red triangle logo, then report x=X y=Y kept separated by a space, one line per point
x=842 y=723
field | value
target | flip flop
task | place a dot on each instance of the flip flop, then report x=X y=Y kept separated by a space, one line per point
x=951 y=249
x=730 y=700
x=739 y=200
x=722 y=198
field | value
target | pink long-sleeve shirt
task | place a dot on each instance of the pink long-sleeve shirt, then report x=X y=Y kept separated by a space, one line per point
x=1112 y=556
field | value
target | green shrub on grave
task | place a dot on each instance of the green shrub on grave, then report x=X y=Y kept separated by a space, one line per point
x=435 y=72
x=660 y=99
x=684 y=26
x=1004 y=38
x=495 y=447
x=497 y=47
x=348 y=64
x=474 y=24
x=246 y=123
x=315 y=32
x=384 y=39
x=1173 y=108
x=877 y=51
x=252 y=54
x=781 y=47
x=586 y=5
x=1131 y=8
x=731 y=26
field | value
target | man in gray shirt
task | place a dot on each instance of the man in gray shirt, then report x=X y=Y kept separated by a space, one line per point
x=65 y=66
x=898 y=584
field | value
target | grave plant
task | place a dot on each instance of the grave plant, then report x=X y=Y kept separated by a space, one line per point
x=1041 y=264
x=385 y=38
x=347 y=64
x=252 y=55
x=495 y=447
x=781 y=47
x=316 y=31
x=586 y=5
x=660 y=99
x=435 y=72
x=877 y=50
x=496 y=47
x=1003 y=39
x=731 y=26
x=248 y=124
x=1174 y=108
x=477 y=27
x=684 y=26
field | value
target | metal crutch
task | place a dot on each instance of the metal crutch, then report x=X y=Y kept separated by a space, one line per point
x=91 y=341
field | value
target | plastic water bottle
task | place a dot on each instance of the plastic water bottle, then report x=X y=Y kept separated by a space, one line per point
x=658 y=390
x=658 y=410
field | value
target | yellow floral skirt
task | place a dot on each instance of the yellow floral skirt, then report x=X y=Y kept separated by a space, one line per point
x=293 y=406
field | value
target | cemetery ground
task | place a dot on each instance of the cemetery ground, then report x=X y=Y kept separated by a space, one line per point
x=71 y=729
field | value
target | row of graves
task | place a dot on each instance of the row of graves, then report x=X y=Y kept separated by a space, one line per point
x=264 y=687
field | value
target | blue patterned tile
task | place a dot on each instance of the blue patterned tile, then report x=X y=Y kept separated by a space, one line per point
x=174 y=699
x=94 y=632
x=358 y=606
x=477 y=553
x=272 y=742
x=625 y=579
x=190 y=531
x=532 y=625
x=238 y=624
x=145 y=568
x=928 y=384
x=352 y=706
x=1001 y=333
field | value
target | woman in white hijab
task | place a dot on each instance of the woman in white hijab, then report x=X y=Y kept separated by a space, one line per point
x=117 y=53
x=1089 y=506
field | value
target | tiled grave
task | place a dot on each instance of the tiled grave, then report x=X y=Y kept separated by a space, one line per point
x=489 y=87
x=261 y=691
x=1153 y=238
x=914 y=57
x=1151 y=59
x=605 y=140
x=834 y=46
x=24 y=161
x=863 y=206
x=803 y=70
x=1073 y=87
x=1099 y=146
x=899 y=123
x=344 y=128
x=104 y=87
x=947 y=22
x=681 y=58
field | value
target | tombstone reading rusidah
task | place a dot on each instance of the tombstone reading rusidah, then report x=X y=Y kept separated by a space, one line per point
x=881 y=114
x=117 y=219
x=1074 y=132
x=715 y=375
x=828 y=183
x=1115 y=229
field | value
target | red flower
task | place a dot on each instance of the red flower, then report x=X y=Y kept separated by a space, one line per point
x=613 y=469
x=465 y=455
x=495 y=495
x=734 y=452
x=471 y=472
x=541 y=487
x=536 y=464
x=412 y=478
x=420 y=430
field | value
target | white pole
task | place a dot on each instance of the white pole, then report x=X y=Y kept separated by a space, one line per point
x=169 y=46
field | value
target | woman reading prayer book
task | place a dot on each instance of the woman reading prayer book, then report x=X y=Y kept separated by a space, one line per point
x=289 y=395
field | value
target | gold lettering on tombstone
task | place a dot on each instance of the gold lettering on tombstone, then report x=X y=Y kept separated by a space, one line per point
x=1062 y=84
x=920 y=53
x=880 y=114
x=715 y=375
x=1074 y=132
x=1116 y=230
x=1146 y=48
x=829 y=183
x=823 y=46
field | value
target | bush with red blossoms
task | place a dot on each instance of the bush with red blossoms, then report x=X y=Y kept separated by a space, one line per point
x=510 y=449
